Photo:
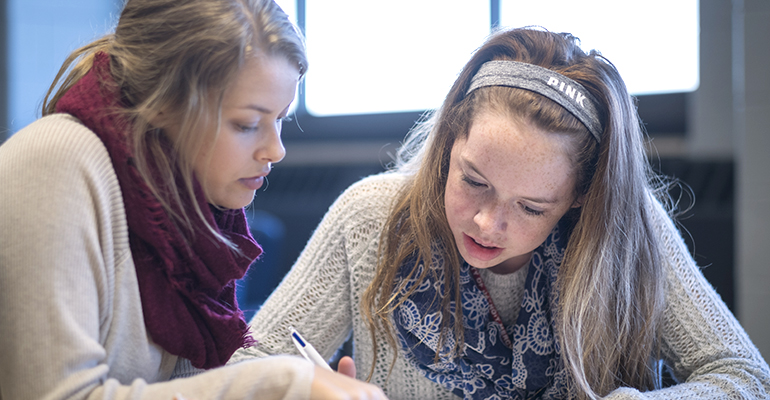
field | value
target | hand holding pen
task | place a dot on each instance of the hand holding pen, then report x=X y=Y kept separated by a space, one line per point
x=327 y=383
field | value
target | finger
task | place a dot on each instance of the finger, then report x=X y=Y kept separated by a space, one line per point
x=347 y=366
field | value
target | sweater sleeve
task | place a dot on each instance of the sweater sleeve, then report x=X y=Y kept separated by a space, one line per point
x=709 y=353
x=53 y=259
x=273 y=378
x=71 y=318
x=317 y=297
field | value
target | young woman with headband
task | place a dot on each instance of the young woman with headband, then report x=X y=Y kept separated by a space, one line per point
x=520 y=248
x=123 y=229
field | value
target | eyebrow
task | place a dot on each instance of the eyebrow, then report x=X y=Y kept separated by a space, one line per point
x=264 y=110
x=539 y=200
x=257 y=108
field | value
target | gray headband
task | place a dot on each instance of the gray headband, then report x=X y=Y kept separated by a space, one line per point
x=553 y=85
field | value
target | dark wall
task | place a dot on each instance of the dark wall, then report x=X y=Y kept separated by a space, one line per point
x=708 y=225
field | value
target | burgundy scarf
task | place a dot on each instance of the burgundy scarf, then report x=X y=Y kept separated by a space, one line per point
x=187 y=286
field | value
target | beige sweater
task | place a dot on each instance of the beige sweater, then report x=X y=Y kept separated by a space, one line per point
x=71 y=324
x=703 y=343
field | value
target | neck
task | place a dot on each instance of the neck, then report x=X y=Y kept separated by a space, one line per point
x=512 y=265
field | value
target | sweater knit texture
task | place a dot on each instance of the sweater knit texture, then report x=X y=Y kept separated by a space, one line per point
x=72 y=323
x=707 y=350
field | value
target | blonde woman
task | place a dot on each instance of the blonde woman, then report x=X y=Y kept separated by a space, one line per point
x=122 y=211
x=520 y=248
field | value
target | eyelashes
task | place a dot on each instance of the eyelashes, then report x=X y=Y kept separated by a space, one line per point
x=475 y=184
x=247 y=128
x=254 y=128
x=471 y=182
x=532 y=211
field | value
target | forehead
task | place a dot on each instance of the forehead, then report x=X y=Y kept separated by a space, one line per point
x=265 y=79
x=515 y=154
x=503 y=133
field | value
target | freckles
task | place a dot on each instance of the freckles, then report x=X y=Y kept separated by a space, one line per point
x=461 y=209
x=465 y=209
x=455 y=202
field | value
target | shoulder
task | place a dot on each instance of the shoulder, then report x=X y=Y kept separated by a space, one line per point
x=683 y=275
x=665 y=228
x=59 y=153
x=59 y=165
x=50 y=128
x=363 y=208
x=376 y=192
x=382 y=185
x=54 y=142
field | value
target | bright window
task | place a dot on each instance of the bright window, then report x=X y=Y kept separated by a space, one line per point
x=289 y=7
x=653 y=43
x=387 y=56
x=397 y=56
x=403 y=55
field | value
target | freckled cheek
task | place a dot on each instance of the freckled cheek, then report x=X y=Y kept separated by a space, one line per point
x=459 y=207
x=534 y=235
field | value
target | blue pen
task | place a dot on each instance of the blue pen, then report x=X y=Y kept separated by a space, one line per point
x=307 y=350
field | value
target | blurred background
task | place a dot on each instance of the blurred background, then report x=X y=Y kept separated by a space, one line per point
x=698 y=69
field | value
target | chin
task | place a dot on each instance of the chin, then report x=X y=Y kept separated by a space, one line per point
x=482 y=265
x=235 y=203
x=476 y=263
x=239 y=205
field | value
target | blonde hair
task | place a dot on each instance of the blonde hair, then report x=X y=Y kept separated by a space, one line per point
x=177 y=57
x=611 y=282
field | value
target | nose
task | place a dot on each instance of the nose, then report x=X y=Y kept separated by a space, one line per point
x=491 y=220
x=270 y=148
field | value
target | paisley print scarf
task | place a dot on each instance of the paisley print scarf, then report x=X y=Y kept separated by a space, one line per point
x=486 y=367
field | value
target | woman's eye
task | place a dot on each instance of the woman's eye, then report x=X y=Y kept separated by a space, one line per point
x=247 y=128
x=471 y=182
x=532 y=211
x=285 y=119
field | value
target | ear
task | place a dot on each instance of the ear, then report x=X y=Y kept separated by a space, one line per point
x=169 y=126
x=578 y=201
x=159 y=120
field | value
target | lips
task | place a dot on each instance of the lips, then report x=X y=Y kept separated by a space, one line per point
x=253 y=183
x=479 y=251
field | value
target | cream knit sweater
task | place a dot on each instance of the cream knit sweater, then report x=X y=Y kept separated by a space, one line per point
x=71 y=324
x=704 y=344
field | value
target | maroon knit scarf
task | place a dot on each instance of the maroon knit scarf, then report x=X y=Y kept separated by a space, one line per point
x=187 y=286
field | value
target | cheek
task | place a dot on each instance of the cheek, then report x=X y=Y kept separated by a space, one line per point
x=538 y=231
x=206 y=155
x=458 y=205
x=217 y=166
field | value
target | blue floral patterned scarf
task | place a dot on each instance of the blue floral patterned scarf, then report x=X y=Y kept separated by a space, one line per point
x=486 y=367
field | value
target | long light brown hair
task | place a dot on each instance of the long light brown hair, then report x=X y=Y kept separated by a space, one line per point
x=177 y=57
x=610 y=283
